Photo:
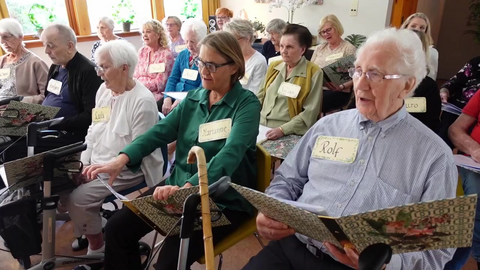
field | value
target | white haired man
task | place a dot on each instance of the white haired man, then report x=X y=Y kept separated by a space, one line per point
x=398 y=161
x=124 y=110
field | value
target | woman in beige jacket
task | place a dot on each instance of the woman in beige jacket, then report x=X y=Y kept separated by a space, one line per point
x=22 y=73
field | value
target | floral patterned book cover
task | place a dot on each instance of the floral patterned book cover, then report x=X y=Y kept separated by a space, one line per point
x=337 y=72
x=281 y=147
x=415 y=227
x=163 y=216
x=16 y=116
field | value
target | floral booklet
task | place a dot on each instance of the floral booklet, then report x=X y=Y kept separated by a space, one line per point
x=421 y=226
x=15 y=118
x=164 y=216
x=337 y=72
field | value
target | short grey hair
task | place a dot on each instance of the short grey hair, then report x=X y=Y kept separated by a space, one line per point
x=406 y=49
x=241 y=28
x=64 y=31
x=108 y=22
x=196 y=26
x=12 y=26
x=121 y=52
x=276 y=26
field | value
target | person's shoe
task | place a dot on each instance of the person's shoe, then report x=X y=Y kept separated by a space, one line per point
x=80 y=243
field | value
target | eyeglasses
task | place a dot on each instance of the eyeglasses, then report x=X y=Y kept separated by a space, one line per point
x=170 y=24
x=212 y=67
x=6 y=37
x=100 y=69
x=326 y=31
x=373 y=76
x=223 y=18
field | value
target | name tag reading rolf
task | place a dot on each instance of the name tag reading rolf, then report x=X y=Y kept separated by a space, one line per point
x=336 y=148
x=54 y=86
x=156 y=68
x=289 y=90
x=214 y=131
x=4 y=73
x=416 y=105
x=190 y=74
x=101 y=114
x=334 y=57
x=180 y=48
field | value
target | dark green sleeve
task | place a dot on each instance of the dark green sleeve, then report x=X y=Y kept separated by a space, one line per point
x=163 y=133
x=242 y=137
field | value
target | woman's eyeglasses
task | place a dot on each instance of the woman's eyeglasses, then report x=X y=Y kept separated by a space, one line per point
x=212 y=67
x=326 y=31
x=372 y=75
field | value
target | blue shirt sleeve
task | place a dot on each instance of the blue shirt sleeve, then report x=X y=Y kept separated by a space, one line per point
x=177 y=70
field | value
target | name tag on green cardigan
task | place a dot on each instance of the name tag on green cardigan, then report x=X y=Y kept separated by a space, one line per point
x=416 y=105
x=289 y=90
x=216 y=130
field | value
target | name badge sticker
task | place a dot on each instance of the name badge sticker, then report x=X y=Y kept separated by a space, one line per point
x=4 y=73
x=334 y=57
x=289 y=90
x=244 y=80
x=54 y=86
x=216 y=130
x=416 y=104
x=180 y=48
x=156 y=68
x=101 y=114
x=190 y=74
x=336 y=149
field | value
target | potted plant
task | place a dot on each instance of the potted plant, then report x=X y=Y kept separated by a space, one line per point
x=258 y=26
x=190 y=9
x=124 y=13
x=39 y=15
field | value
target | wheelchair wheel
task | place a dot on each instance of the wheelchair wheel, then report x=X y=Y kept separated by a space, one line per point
x=145 y=252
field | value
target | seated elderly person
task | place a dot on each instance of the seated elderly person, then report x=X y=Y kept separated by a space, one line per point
x=176 y=41
x=124 y=110
x=105 y=33
x=155 y=60
x=221 y=104
x=458 y=91
x=223 y=15
x=255 y=64
x=22 y=73
x=271 y=48
x=397 y=161
x=291 y=93
x=185 y=75
x=333 y=49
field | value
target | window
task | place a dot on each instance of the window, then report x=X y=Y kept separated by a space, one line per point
x=183 y=9
x=105 y=8
x=20 y=10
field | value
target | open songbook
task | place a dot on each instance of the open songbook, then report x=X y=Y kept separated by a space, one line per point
x=451 y=108
x=467 y=163
x=422 y=226
x=163 y=216
x=337 y=72
x=16 y=116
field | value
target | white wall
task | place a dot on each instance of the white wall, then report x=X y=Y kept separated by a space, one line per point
x=84 y=48
x=372 y=15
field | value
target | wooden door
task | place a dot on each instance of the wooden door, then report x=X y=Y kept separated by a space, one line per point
x=401 y=10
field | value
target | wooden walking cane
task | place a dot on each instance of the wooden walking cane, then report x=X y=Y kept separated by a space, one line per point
x=198 y=154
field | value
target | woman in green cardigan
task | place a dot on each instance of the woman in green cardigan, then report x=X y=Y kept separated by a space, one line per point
x=291 y=93
x=221 y=97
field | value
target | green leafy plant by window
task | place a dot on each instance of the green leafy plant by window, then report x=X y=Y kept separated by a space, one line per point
x=123 y=12
x=190 y=8
x=258 y=25
x=39 y=15
x=356 y=40
x=474 y=20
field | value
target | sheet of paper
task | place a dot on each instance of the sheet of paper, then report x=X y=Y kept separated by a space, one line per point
x=118 y=195
x=449 y=107
x=262 y=133
x=177 y=95
x=467 y=163
x=3 y=175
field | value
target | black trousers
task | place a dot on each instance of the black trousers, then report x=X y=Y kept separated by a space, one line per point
x=124 y=229
x=333 y=100
x=446 y=120
x=291 y=254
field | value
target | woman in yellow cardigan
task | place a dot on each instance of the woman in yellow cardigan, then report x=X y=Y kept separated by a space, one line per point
x=291 y=94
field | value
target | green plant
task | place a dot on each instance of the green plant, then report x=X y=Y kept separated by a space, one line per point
x=39 y=10
x=356 y=40
x=123 y=12
x=474 y=20
x=190 y=8
x=258 y=25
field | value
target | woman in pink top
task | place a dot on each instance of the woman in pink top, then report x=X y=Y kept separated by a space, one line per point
x=155 y=60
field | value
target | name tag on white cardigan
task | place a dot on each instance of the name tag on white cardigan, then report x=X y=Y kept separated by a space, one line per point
x=416 y=104
x=190 y=74
x=101 y=114
x=244 y=80
x=289 y=90
x=54 y=86
x=4 y=73
x=216 y=130
x=156 y=68
x=336 y=149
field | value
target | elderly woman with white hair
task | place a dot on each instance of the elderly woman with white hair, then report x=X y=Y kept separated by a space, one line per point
x=390 y=159
x=22 y=73
x=173 y=25
x=255 y=63
x=105 y=33
x=124 y=109
x=271 y=48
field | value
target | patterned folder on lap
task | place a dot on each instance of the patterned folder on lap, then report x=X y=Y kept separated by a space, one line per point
x=17 y=115
x=337 y=72
x=422 y=226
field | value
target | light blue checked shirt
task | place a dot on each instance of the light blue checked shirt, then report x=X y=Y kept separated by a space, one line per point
x=399 y=161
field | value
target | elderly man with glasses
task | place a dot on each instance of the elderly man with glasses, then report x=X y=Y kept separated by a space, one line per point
x=389 y=158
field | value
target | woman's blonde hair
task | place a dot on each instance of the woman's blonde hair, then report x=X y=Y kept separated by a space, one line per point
x=428 y=30
x=336 y=24
x=228 y=47
x=157 y=27
x=425 y=45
